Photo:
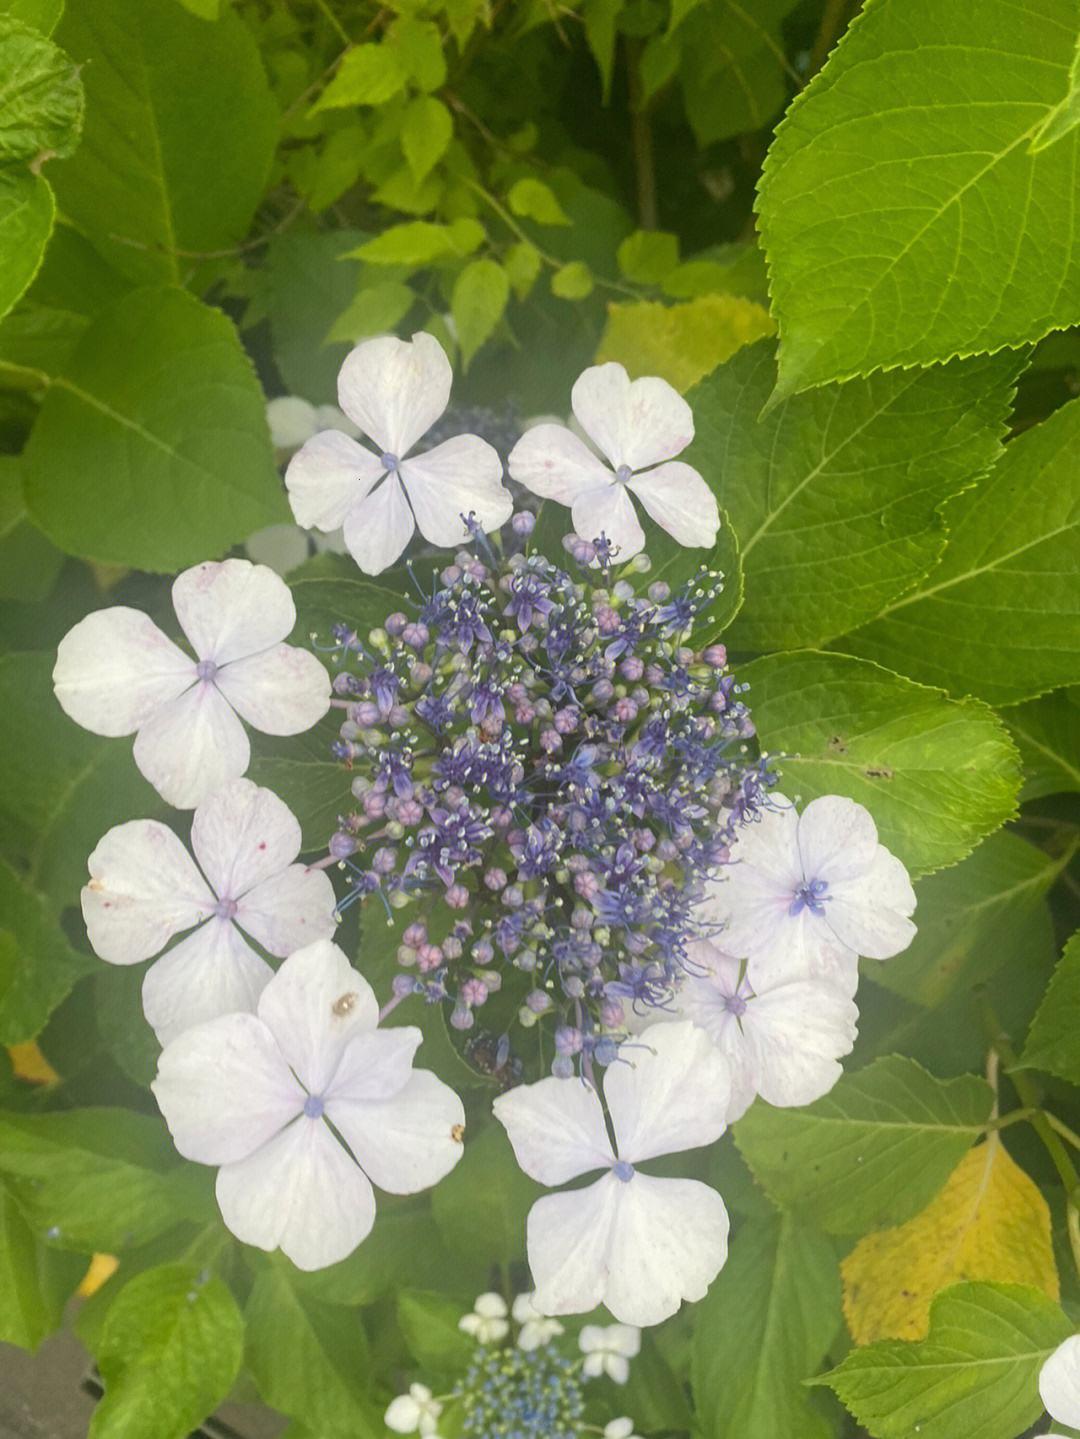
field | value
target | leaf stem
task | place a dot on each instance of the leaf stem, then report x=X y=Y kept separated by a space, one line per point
x=831 y=21
x=1070 y=1135
x=641 y=139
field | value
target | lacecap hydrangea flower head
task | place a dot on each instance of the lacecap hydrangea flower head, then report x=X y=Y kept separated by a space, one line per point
x=553 y=796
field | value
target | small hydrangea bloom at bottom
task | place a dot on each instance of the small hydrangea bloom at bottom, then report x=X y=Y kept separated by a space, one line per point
x=521 y=1394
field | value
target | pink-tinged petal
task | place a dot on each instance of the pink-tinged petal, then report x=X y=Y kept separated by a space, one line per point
x=300 y=1193
x=192 y=746
x=669 y=1241
x=609 y=511
x=1059 y=1384
x=407 y=1142
x=376 y=1065
x=242 y=835
x=327 y=476
x=837 y=839
x=870 y=914
x=290 y=910
x=680 y=501
x=462 y=475
x=314 y=1005
x=231 y=608
x=710 y=997
x=395 y=390
x=637 y=423
x=210 y=973
x=797 y=1034
x=553 y=462
x=115 y=669
x=143 y=889
x=224 y=1089
x=285 y=690
x=556 y=1127
x=671 y=1094
x=752 y=907
x=802 y=947
x=568 y=1236
x=379 y=527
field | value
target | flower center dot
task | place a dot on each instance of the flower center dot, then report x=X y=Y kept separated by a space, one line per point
x=226 y=908
x=206 y=669
x=389 y=461
x=623 y=1170
x=622 y=474
x=735 y=1004
x=314 y=1106
x=810 y=896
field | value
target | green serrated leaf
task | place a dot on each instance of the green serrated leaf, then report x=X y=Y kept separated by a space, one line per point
x=748 y=1366
x=477 y=303
x=161 y=485
x=426 y=132
x=533 y=200
x=27 y=210
x=309 y=282
x=179 y=137
x=169 y=1352
x=43 y=15
x=732 y=67
x=998 y=616
x=373 y=310
x=41 y=96
x=1051 y=1042
x=905 y=219
x=978 y=1367
x=873 y=1152
x=429 y=1326
x=29 y=564
x=38 y=967
x=680 y=343
x=1047 y=734
x=836 y=494
x=937 y=774
x=367 y=75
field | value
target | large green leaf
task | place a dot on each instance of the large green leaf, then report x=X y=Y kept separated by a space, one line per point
x=33 y=1290
x=905 y=218
x=26 y=221
x=29 y=564
x=937 y=774
x=1051 y=1042
x=481 y=1206
x=1047 y=734
x=974 y=919
x=763 y=1328
x=309 y=282
x=310 y=1361
x=37 y=965
x=160 y=416
x=976 y=1374
x=999 y=616
x=41 y=95
x=169 y=1352
x=43 y=15
x=179 y=136
x=835 y=495
x=873 y=1152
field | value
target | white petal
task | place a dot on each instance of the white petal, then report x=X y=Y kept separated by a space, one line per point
x=232 y=608
x=837 y=839
x=395 y=390
x=407 y=1142
x=556 y=1127
x=551 y=461
x=300 y=1193
x=290 y=910
x=461 y=475
x=870 y=913
x=225 y=1089
x=610 y=512
x=212 y=972
x=376 y=1064
x=242 y=835
x=568 y=1235
x=636 y=423
x=668 y=1091
x=402 y=1415
x=668 y=1243
x=115 y=669
x=806 y=948
x=291 y=420
x=284 y=690
x=703 y=999
x=1059 y=1383
x=192 y=746
x=314 y=1005
x=797 y=1034
x=379 y=527
x=329 y=475
x=680 y=502
x=143 y=889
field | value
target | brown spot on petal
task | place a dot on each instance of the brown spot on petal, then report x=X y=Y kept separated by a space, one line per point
x=96 y=885
x=457 y=1134
x=345 y=1004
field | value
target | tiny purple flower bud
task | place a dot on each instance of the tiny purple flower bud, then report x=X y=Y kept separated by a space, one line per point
x=462 y=1018
x=403 y=985
x=415 y=635
x=457 y=896
x=607 y=620
x=342 y=844
x=562 y=1067
x=632 y=668
x=429 y=957
x=495 y=879
x=415 y=934
x=611 y=1014
x=473 y=991
x=538 y=1001
x=659 y=592
x=550 y=741
x=522 y=523
x=715 y=655
x=374 y=804
x=395 y=623
x=567 y=719
x=568 y=1040
x=384 y=860
x=366 y=714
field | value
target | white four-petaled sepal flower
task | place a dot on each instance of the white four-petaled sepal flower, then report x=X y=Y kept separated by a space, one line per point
x=809 y=892
x=414 y=1413
x=608 y=1350
x=1059 y=1384
x=145 y=888
x=637 y=1244
x=640 y=426
x=487 y=1323
x=783 y=1040
x=536 y=1329
x=620 y=1429
x=395 y=390
x=116 y=674
x=258 y=1093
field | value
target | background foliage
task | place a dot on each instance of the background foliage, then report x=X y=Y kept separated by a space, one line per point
x=203 y=203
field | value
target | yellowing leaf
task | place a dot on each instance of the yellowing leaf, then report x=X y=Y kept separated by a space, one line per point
x=989 y=1223
x=30 y=1064
x=681 y=343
